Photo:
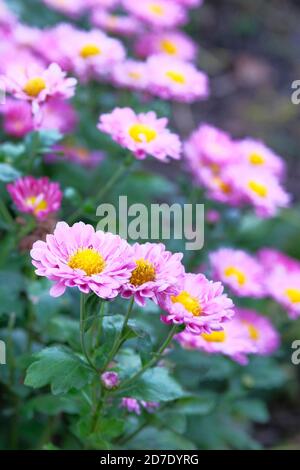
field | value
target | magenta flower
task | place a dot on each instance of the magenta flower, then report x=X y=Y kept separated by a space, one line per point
x=156 y=273
x=175 y=79
x=68 y=7
x=157 y=13
x=283 y=285
x=110 y=380
x=233 y=341
x=123 y=25
x=238 y=270
x=142 y=134
x=200 y=305
x=39 y=197
x=262 y=333
x=255 y=154
x=171 y=43
x=77 y=154
x=130 y=74
x=260 y=189
x=17 y=117
x=36 y=84
x=134 y=406
x=272 y=259
x=77 y=256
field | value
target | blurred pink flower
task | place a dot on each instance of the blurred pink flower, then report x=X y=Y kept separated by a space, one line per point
x=175 y=79
x=117 y=24
x=142 y=134
x=257 y=155
x=171 y=43
x=130 y=74
x=77 y=154
x=157 y=13
x=39 y=197
x=238 y=270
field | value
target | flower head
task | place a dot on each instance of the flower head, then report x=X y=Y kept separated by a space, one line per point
x=39 y=197
x=124 y=25
x=175 y=79
x=77 y=154
x=134 y=406
x=170 y=43
x=35 y=84
x=68 y=7
x=262 y=333
x=78 y=256
x=283 y=285
x=143 y=134
x=255 y=154
x=130 y=74
x=200 y=305
x=110 y=380
x=238 y=270
x=157 y=13
x=156 y=273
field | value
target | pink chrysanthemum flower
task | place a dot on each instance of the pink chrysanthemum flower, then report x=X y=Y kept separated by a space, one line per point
x=260 y=189
x=68 y=7
x=117 y=24
x=283 y=285
x=157 y=13
x=143 y=134
x=78 y=256
x=272 y=259
x=77 y=154
x=238 y=270
x=130 y=74
x=257 y=155
x=58 y=114
x=233 y=341
x=156 y=273
x=190 y=3
x=26 y=36
x=200 y=305
x=171 y=43
x=37 y=85
x=17 y=117
x=94 y=53
x=171 y=78
x=39 y=197
x=262 y=333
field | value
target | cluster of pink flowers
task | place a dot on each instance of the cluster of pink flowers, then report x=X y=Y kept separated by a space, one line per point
x=103 y=263
x=268 y=273
x=247 y=333
x=237 y=172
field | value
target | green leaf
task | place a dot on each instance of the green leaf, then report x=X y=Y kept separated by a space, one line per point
x=156 y=385
x=196 y=405
x=8 y=173
x=50 y=405
x=59 y=367
x=253 y=409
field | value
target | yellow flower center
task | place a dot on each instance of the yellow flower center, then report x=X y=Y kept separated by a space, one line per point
x=169 y=47
x=258 y=188
x=37 y=207
x=90 y=50
x=88 y=260
x=293 y=295
x=224 y=187
x=232 y=271
x=135 y=75
x=191 y=304
x=253 y=332
x=34 y=86
x=214 y=336
x=256 y=159
x=144 y=272
x=156 y=8
x=142 y=133
x=176 y=77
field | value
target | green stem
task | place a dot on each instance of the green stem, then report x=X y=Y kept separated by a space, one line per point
x=119 y=339
x=156 y=357
x=98 y=411
x=5 y=214
x=82 y=336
